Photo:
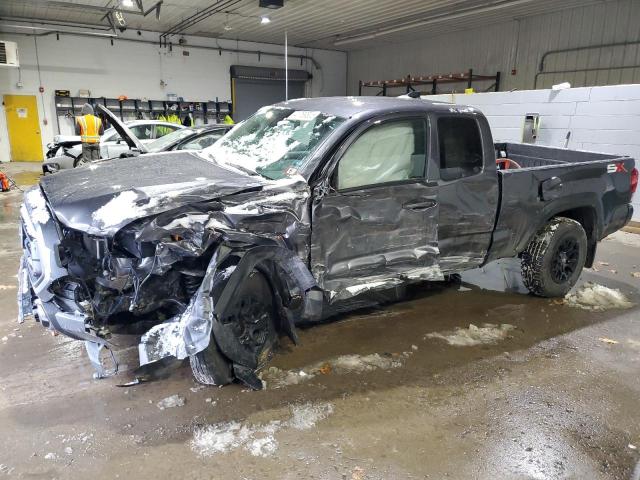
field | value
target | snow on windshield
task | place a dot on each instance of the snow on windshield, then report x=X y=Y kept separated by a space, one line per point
x=274 y=142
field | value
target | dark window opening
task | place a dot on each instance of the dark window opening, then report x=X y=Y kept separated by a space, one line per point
x=460 y=147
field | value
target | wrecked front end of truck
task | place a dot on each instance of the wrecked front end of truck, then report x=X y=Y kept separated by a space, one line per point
x=172 y=275
x=172 y=260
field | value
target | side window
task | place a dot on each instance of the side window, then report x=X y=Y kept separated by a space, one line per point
x=201 y=142
x=143 y=132
x=460 y=147
x=387 y=152
x=162 y=130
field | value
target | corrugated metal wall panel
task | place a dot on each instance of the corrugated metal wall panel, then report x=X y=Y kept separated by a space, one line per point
x=493 y=48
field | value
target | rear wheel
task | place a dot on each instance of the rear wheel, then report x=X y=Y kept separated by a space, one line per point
x=247 y=328
x=553 y=260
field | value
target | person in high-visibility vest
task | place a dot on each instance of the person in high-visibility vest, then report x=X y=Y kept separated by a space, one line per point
x=89 y=127
x=228 y=120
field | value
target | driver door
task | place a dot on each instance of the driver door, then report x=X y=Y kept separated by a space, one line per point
x=374 y=220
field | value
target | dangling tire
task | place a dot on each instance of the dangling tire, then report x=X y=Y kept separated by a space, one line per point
x=247 y=329
x=553 y=260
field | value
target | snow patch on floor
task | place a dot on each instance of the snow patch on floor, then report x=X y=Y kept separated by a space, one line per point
x=273 y=377
x=257 y=439
x=595 y=297
x=170 y=402
x=306 y=416
x=467 y=337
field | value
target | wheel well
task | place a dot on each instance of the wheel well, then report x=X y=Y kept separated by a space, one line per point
x=585 y=216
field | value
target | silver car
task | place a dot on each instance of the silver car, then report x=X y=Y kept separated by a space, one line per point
x=111 y=144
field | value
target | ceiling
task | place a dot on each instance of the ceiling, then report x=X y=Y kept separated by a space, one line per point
x=332 y=24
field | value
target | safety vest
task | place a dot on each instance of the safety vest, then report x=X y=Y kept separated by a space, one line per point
x=173 y=118
x=89 y=128
x=228 y=120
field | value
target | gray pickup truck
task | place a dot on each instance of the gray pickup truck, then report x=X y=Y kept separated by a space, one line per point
x=307 y=209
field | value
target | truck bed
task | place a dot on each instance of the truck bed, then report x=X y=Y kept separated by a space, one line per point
x=533 y=156
x=589 y=186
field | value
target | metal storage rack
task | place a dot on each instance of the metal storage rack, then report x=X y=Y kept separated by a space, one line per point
x=130 y=109
x=410 y=82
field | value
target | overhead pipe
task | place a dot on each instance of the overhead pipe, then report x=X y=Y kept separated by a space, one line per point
x=49 y=31
x=44 y=21
x=315 y=63
x=580 y=49
x=199 y=16
x=580 y=70
x=97 y=8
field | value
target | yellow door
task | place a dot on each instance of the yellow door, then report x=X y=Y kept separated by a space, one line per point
x=24 y=128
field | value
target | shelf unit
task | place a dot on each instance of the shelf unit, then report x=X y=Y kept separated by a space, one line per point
x=132 y=109
x=410 y=82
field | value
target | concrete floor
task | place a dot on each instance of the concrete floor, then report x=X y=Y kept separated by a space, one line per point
x=554 y=399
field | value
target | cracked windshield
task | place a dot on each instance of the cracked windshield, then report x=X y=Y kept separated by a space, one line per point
x=275 y=142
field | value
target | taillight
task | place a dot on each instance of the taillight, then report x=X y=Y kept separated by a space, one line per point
x=634 y=180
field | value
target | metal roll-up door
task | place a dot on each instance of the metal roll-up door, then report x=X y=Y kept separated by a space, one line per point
x=255 y=87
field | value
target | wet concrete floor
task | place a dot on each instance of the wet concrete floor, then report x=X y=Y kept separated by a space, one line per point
x=554 y=398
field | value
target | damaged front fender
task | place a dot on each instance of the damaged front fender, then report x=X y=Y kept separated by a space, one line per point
x=299 y=299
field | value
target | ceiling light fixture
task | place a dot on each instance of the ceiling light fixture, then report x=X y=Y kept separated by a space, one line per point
x=127 y=3
x=427 y=21
x=226 y=25
x=264 y=20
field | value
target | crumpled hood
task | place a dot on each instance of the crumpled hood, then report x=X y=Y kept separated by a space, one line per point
x=102 y=197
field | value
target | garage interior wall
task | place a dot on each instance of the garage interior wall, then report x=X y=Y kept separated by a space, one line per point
x=600 y=119
x=136 y=69
x=518 y=45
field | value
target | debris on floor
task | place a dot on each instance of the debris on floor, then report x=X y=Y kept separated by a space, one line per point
x=595 y=297
x=609 y=341
x=273 y=377
x=474 y=335
x=50 y=456
x=357 y=474
x=170 y=402
x=635 y=274
x=8 y=287
x=258 y=439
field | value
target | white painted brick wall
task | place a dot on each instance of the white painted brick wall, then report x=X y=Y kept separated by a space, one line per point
x=601 y=119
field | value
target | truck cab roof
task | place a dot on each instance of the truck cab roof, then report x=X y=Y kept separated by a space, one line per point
x=348 y=107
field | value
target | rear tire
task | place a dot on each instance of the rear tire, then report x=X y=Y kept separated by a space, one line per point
x=553 y=260
x=252 y=319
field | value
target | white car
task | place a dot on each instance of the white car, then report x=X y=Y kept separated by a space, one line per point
x=64 y=153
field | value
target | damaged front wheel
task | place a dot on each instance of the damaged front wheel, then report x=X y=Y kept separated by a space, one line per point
x=243 y=338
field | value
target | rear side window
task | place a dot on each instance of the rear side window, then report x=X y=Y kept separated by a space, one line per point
x=143 y=132
x=387 y=152
x=460 y=147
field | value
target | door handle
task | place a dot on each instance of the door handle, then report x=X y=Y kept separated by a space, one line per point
x=420 y=205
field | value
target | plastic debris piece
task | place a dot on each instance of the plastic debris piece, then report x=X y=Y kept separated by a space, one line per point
x=608 y=340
